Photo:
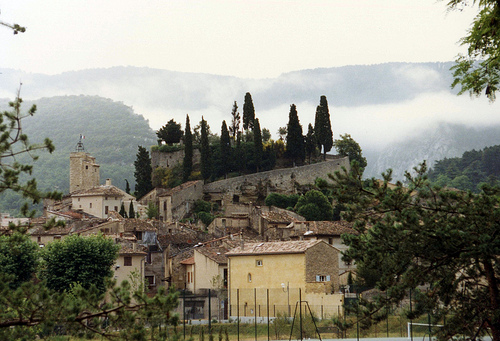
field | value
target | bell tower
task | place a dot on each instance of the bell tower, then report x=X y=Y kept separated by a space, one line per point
x=83 y=170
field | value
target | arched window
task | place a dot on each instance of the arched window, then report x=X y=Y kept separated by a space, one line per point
x=249 y=278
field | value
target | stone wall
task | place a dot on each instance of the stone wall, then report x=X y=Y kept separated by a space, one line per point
x=322 y=259
x=255 y=187
x=83 y=172
x=170 y=159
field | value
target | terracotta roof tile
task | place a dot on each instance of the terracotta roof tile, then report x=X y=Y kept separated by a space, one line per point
x=278 y=217
x=188 y=261
x=273 y=248
x=329 y=228
x=215 y=253
x=102 y=190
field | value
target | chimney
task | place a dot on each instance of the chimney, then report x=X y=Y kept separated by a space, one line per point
x=108 y=182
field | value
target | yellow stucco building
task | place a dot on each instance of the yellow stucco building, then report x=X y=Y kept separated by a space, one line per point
x=275 y=276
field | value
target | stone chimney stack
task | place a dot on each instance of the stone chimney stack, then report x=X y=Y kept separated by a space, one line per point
x=108 y=182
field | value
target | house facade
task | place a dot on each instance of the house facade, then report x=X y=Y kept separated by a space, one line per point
x=287 y=272
x=99 y=201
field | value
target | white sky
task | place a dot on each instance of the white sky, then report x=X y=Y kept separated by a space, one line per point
x=251 y=38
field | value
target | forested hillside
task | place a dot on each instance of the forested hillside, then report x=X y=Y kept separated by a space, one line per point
x=470 y=171
x=112 y=133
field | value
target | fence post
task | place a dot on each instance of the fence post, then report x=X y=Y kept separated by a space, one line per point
x=238 y=312
x=209 y=310
x=255 y=311
x=267 y=305
x=184 y=311
x=300 y=312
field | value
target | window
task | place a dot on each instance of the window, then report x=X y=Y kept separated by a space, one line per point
x=116 y=208
x=321 y=278
x=138 y=235
x=106 y=209
x=127 y=261
x=90 y=205
x=330 y=241
x=148 y=258
x=150 y=280
x=78 y=199
x=39 y=239
x=258 y=262
x=249 y=278
x=86 y=167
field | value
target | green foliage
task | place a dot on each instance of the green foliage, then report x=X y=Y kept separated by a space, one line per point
x=204 y=150
x=323 y=126
x=202 y=206
x=257 y=142
x=152 y=211
x=18 y=258
x=310 y=142
x=470 y=171
x=234 y=128
x=314 y=206
x=187 y=165
x=248 y=112
x=281 y=200
x=295 y=145
x=225 y=149
x=15 y=175
x=131 y=211
x=479 y=70
x=444 y=240
x=346 y=146
x=33 y=309
x=78 y=260
x=122 y=212
x=143 y=173
x=170 y=133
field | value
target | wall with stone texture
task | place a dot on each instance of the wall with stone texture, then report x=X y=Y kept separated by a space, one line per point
x=251 y=187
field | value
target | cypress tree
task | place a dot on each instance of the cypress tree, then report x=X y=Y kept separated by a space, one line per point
x=143 y=171
x=310 y=142
x=127 y=187
x=248 y=112
x=235 y=122
x=258 y=148
x=295 y=146
x=187 y=166
x=225 y=148
x=131 y=212
x=204 y=150
x=323 y=126
x=122 y=212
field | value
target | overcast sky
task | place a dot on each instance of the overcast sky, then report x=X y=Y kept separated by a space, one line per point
x=252 y=38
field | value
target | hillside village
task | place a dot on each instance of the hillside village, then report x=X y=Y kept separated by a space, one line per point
x=248 y=247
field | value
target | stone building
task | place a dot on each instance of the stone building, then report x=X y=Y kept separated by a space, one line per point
x=83 y=171
x=255 y=187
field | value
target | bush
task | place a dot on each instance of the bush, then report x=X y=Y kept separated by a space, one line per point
x=206 y=218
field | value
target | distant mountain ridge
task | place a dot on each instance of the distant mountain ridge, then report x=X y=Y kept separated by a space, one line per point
x=112 y=133
x=356 y=95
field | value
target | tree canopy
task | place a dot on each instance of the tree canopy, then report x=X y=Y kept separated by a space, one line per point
x=314 y=205
x=248 y=112
x=170 y=133
x=441 y=244
x=188 y=151
x=323 y=127
x=346 y=146
x=478 y=71
x=295 y=145
x=77 y=259
x=143 y=173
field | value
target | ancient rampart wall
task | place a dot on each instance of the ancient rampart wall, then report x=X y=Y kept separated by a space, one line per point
x=286 y=181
